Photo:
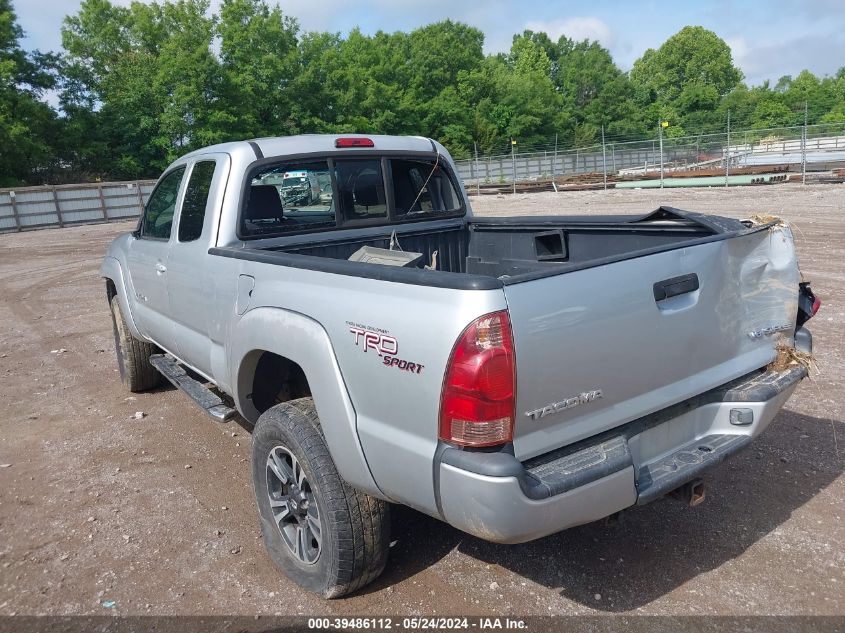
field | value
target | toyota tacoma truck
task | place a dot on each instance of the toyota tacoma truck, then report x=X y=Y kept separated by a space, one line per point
x=511 y=376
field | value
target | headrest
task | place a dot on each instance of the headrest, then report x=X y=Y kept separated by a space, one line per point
x=367 y=189
x=264 y=203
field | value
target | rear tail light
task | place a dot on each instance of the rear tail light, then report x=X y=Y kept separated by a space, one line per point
x=477 y=404
x=817 y=303
x=350 y=141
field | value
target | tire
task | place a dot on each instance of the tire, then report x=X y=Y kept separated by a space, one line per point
x=133 y=356
x=353 y=527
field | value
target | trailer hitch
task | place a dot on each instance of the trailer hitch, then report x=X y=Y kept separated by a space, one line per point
x=691 y=493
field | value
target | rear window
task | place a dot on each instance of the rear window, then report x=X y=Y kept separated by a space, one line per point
x=294 y=197
x=287 y=198
x=360 y=187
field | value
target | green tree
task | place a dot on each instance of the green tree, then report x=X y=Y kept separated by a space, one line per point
x=27 y=125
x=771 y=113
x=687 y=76
x=145 y=83
x=151 y=71
x=259 y=59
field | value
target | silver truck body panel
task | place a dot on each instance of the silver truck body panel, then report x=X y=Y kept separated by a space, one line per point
x=306 y=343
x=496 y=508
x=595 y=328
x=425 y=322
x=572 y=330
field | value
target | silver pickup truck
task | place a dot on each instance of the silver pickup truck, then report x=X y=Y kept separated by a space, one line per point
x=510 y=376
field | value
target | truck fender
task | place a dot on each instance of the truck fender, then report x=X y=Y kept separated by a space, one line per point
x=112 y=270
x=302 y=340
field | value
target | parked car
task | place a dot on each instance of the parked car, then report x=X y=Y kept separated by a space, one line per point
x=511 y=376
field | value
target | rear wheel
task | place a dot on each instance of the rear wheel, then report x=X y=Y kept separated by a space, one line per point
x=133 y=355
x=323 y=534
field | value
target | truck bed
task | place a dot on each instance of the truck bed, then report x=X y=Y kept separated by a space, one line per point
x=484 y=253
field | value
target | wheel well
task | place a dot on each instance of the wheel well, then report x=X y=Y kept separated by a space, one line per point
x=277 y=379
x=111 y=289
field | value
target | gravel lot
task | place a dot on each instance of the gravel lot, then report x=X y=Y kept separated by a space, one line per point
x=157 y=513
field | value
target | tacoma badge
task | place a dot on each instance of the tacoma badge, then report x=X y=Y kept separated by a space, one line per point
x=568 y=403
x=769 y=331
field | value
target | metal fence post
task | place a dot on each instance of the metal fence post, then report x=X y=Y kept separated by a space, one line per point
x=477 y=172
x=604 y=157
x=513 y=164
x=804 y=149
x=554 y=160
x=728 y=151
x=660 y=132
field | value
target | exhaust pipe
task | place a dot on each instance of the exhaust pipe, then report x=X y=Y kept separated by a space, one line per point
x=691 y=493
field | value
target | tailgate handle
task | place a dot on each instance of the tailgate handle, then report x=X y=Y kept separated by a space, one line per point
x=675 y=286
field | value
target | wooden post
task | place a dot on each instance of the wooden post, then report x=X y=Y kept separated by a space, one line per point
x=15 y=210
x=58 y=210
x=140 y=199
x=102 y=201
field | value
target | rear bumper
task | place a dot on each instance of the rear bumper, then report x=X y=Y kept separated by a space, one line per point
x=496 y=497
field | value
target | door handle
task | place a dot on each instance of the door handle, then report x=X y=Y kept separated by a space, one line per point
x=675 y=286
x=161 y=268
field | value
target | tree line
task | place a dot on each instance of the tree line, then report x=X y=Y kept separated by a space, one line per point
x=138 y=86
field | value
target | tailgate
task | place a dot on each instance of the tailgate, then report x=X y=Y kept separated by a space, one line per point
x=601 y=346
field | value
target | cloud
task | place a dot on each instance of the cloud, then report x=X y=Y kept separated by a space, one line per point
x=739 y=51
x=821 y=53
x=579 y=28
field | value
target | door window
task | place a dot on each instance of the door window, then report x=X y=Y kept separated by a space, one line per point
x=192 y=216
x=158 y=214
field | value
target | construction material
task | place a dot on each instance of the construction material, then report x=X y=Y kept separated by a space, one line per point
x=706 y=181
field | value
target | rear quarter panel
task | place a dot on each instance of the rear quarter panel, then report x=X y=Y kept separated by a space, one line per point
x=396 y=409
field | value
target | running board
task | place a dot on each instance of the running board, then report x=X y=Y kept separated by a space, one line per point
x=199 y=393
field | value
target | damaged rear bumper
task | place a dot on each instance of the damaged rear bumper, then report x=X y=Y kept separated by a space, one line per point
x=498 y=498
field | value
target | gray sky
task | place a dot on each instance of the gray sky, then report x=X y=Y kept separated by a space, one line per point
x=768 y=38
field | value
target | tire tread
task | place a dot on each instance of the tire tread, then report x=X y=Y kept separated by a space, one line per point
x=138 y=374
x=361 y=523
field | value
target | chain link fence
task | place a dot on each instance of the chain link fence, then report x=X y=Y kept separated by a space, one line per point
x=722 y=158
x=799 y=149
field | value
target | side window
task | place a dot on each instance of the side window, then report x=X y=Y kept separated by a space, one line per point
x=420 y=187
x=289 y=197
x=158 y=214
x=192 y=216
x=360 y=187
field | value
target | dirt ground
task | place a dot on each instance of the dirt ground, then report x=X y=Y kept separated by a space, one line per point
x=157 y=513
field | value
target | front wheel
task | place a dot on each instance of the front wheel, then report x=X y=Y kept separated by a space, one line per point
x=133 y=355
x=323 y=534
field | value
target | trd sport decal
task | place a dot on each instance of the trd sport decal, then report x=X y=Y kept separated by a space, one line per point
x=386 y=346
